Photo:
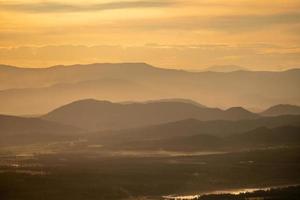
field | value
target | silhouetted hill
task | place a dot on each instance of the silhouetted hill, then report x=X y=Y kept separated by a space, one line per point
x=141 y=82
x=262 y=137
x=240 y=113
x=282 y=109
x=257 y=138
x=20 y=130
x=190 y=130
x=178 y=100
x=104 y=115
x=196 y=140
x=225 y=127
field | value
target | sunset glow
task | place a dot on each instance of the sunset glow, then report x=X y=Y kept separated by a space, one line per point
x=193 y=34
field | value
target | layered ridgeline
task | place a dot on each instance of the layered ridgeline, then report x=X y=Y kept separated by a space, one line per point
x=176 y=124
x=37 y=91
x=96 y=115
x=286 y=136
x=192 y=134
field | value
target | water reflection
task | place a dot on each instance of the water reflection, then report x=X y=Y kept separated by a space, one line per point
x=161 y=153
x=228 y=191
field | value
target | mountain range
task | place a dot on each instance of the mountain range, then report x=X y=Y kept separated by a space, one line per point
x=189 y=127
x=174 y=124
x=96 y=115
x=194 y=135
x=40 y=90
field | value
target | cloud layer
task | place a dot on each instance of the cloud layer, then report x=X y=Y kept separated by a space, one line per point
x=252 y=33
x=50 y=7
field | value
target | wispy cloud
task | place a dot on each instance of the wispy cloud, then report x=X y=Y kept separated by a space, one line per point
x=53 y=7
x=226 y=23
x=253 y=22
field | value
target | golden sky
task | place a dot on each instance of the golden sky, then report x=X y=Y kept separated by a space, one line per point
x=188 y=34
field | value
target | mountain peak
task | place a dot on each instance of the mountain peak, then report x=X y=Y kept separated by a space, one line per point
x=240 y=112
x=178 y=100
x=237 y=109
x=282 y=109
x=90 y=100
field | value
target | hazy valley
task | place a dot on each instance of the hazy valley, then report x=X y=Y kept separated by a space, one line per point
x=149 y=100
x=130 y=131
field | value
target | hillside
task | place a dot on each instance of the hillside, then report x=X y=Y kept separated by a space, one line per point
x=266 y=137
x=20 y=130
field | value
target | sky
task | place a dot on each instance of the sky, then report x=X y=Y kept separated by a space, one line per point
x=184 y=34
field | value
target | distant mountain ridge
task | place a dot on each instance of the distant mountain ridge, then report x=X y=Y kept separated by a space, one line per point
x=178 y=100
x=95 y=115
x=28 y=90
x=225 y=68
x=152 y=126
x=282 y=109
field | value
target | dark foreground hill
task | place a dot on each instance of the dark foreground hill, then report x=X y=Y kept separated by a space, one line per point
x=192 y=134
x=189 y=127
x=257 y=138
x=264 y=137
x=96 y=115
